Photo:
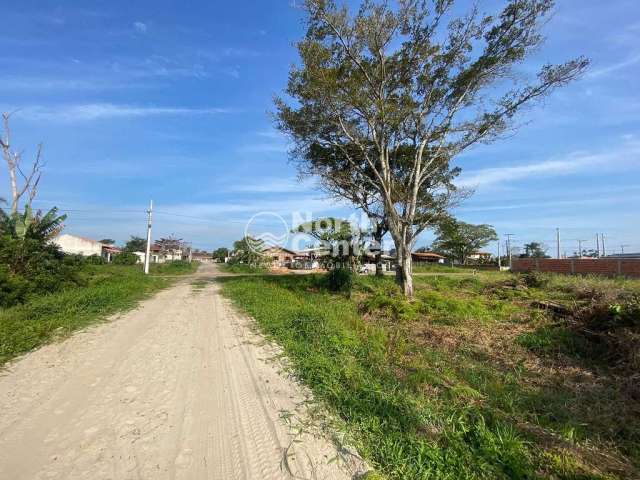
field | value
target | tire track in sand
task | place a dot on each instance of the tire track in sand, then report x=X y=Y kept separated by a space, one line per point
x=177 y=389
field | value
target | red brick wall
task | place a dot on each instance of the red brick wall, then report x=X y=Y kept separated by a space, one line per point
x=609 y=267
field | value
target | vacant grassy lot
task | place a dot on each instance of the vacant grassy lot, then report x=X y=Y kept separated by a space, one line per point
x=241 y=268
x=482 y=376
x=105 y=289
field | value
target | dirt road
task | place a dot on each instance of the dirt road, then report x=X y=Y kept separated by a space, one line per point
x=178 y=388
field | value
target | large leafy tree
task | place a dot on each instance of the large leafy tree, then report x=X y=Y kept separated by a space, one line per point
x=458 y=239
x=221 y=253
x=534 y=250
x=248 y=250
x=391 y=95
x=135 y=244
x=343 y=243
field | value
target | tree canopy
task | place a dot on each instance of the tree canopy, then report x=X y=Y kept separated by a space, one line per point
x=135 y=244
x=386 y=98
x=458 y=240
x=248 y=250
x=534 y=250
x=221 y=253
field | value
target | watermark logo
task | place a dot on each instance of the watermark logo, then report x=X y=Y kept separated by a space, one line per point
x=266 y=230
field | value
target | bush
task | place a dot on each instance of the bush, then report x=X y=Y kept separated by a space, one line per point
x=13 y=289
x=339 y=280
x=535 y=279
x=125 y=258
x=95 y=260
x=31 y=268
x=74 y=260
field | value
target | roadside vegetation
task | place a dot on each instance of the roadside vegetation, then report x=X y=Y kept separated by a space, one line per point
x=242 y=268
x=439 y=268
x=96 y=292
x=492 y=375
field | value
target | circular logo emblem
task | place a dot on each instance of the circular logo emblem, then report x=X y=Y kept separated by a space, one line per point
x=266 y=230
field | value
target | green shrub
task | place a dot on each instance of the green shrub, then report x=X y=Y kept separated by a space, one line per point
x=31 y=268
x=125 y=258
x=175 y=267
x=535 y=279
x=74 y=259
x=13 y=289
x=95 y=260
x=339 y=280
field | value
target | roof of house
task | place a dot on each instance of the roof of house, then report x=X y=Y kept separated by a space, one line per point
x=201 y=255
x=281 y=249
x=90 y=240
x=427 y=255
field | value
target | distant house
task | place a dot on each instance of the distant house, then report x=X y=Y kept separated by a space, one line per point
x=76 y=245
x=109 y=251
x=158 y=255
x=479 y=256
x=202 y=257
x=623 y=255
x=388 y=262
x=427 y=257
x=280 y=257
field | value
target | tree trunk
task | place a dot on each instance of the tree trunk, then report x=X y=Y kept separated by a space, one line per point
x=378 y=238
x=404 y=276
x=379 y=269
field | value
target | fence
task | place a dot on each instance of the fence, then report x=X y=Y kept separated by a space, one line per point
x=628 y=267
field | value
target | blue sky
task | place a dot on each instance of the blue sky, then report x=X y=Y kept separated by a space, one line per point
x=172 y=101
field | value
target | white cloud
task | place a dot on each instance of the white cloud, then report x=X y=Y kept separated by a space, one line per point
x=274 y=142
x=577 y=162
x=94 y=111
x=269 y=185
x=264 y=148
x=614 y=67
x=140 y=27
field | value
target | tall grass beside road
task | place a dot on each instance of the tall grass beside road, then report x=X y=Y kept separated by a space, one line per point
x=463 y=381
x=104 y=290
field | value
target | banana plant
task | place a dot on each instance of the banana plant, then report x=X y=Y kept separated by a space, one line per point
x=29 y=225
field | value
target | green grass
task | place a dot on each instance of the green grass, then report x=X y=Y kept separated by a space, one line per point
x=106 y=289
x=435 y=268
x=178 y=267
x=241 y=268
x=465 y=381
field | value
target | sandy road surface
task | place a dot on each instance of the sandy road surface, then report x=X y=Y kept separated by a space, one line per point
x=178 y=388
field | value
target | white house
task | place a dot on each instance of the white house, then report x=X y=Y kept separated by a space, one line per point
x=158 y=255
x=76 y=245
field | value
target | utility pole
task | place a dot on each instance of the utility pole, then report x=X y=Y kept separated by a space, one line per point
x=509 y=235
x=604 y=250
x=580 y=248
x=499 y=259
x=558 y=243
x=598 y=245
x=148 y=252
x=622 y=248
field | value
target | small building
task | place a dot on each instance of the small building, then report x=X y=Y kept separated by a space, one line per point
x=76 y=245
x=109 y=251
x=279 y=256
x=427 y=257
x=479 y=256
x=202 y=257
x=388 y=263
x=158 y=255
x=622 y=255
